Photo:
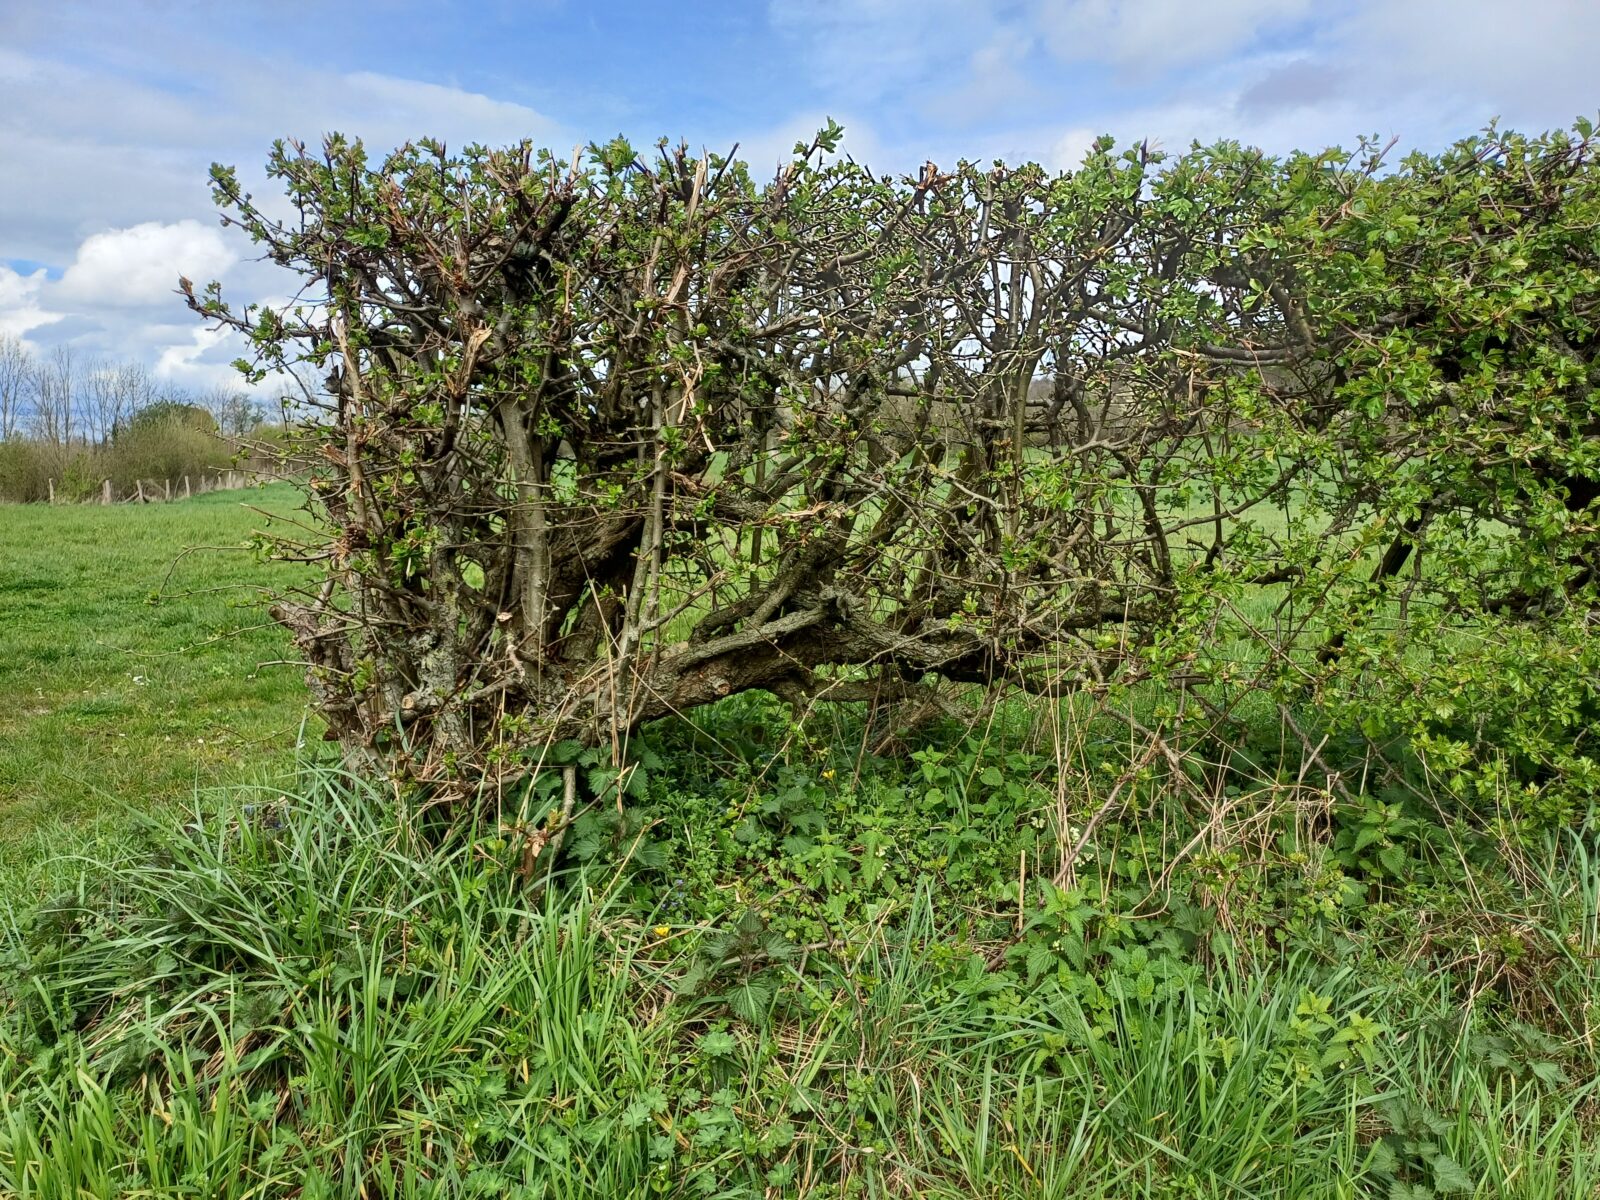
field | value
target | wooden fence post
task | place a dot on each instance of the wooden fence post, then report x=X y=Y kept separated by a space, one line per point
x=186 y=492
x=51 y=484
x=166 y=489
x=105 y=492
x=138 y=488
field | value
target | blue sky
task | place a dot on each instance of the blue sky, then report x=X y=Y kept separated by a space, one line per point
x=111 y=111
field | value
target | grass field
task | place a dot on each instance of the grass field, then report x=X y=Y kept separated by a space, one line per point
x=134 y=656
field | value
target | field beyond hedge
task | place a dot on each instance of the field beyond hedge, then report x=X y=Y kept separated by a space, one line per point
x=134 y=656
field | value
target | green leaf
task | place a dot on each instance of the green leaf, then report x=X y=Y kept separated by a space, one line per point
x=1448 y=1175
x=638 y=785
x=749 y=1000
x=1548 y=1073
x=1040 y=959
x=1434 y=1123
x=1393 y=859
x=638 y=1113
x=563 y=753
x=1382 y=1160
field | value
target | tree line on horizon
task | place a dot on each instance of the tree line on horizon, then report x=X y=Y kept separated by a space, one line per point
x=69 y=424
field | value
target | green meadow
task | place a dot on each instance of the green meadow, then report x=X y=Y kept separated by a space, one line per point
x=137 y=662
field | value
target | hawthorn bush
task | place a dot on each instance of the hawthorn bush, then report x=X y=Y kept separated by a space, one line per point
x=611 y=438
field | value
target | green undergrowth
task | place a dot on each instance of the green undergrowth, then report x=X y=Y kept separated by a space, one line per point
x=782 y=969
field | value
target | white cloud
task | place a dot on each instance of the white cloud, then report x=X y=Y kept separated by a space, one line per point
x=21 y=309
x=1041 y=78
x=862 y=50
x=1427 y=72
x=106 y=175
x=1068 y=151
x=1532 y=63
x=188 y=363
x=1151 y=36
x=140 y=265
x=396 y=109
x=90 y=149
x=998 y=80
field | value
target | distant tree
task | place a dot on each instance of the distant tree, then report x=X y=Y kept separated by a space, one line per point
x=109 y=394
x=168 y=413
x=54 y=393
x=237 y=412
x=16 y=374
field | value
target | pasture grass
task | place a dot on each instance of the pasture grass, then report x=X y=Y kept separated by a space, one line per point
x=327 y=996
x=134 y=657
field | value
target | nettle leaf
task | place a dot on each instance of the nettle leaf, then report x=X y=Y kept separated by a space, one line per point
x=638 y=784
x=564 y=752
x=1548 y=1073
x=810 y=820
x=650 y=854
x=693 y=979
x=1393 y=859
x=872 y=869
x=1449 y=1176
x=1039 y=960
x=1366 y=836
x=1382 y=1160
x=750 y=999
x=1437 y=1125
x=777 y=947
